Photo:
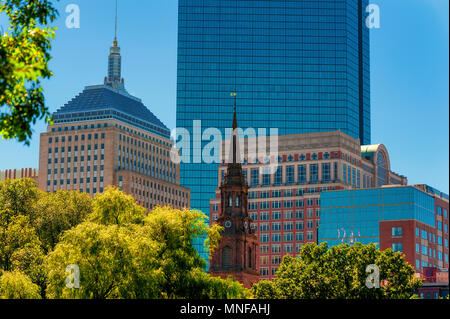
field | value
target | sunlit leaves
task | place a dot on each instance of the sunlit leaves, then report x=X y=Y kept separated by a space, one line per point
x=120 y=250
x=339 y=272
x=24 y=57
x=17 y=285
x=116 y=208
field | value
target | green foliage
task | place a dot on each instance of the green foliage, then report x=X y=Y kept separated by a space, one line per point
x=50 y=214
x=105 y=256
x=17 y=285
x=204 y=286
x=340 y=272
x=17 y=197
x=120 y=250
x=265 y=289
x=24 y=57
x=121 y=253
x=20 y=244
x=20 y=249
x=55 y=213
x=116 y=208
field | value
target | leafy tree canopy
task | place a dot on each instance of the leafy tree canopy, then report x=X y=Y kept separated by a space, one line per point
x=24 y=57
x=339 y=272
x=122 y=252
x=17 y=285
x=54 y=213
x=116 y=208
x=50 y=214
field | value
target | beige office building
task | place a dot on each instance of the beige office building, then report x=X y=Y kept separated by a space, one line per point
x=104 y=136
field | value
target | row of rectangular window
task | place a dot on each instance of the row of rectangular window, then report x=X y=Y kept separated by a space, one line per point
x=287 y=237
x=139 y=182
x=75 y=148
x=432 y=253
x=310 y=202
x=287 y=192
x=429 y=236
x=81 y=190
x=299 y=225
x=75 y=138
x=276 y=248
x=75 y=181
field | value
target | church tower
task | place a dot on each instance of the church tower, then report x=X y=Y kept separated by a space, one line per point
x=236 y=253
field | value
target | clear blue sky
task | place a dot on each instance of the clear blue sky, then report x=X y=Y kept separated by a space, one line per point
x=409 y=75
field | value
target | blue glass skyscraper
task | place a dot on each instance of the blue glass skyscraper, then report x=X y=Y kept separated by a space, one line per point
x=300 y=66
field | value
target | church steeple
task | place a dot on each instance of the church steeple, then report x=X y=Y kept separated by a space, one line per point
x=114 y=78
x=234 y=175
x=236 y=254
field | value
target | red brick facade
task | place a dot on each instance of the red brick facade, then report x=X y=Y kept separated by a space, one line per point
x=432 y=250
x=236 y=255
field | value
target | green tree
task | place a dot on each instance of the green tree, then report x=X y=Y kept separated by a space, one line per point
x=54 y=213
x=339 y=272
x=179 y=263
x=114 y=207
x=20 y=249
x=204 y=286
x=105 y=256
x=265 y=289
x=50 y=214
x=31 y=222
x=17 y=285
x=24 y=57
x=122 y=253
x=17 y=197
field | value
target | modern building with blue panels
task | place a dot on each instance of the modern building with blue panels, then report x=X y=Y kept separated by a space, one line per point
x=299 y=66
x=412 y=220
x=350 y=216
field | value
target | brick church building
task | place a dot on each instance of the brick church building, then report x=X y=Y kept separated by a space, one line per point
x=237 y=251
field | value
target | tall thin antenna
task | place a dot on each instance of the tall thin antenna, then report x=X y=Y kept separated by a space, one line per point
x=115 y=31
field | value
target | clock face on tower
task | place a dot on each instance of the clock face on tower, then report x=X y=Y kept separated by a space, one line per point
x=228 y=224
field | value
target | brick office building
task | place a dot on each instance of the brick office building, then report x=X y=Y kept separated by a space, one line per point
x=409 y=219
x=105 y=136
x=19 y=173
x=435 y=284
x=285 y=206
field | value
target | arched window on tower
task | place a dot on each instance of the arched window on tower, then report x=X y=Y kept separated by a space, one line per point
x=230 y=201
x=226 y=257
x=237 y=201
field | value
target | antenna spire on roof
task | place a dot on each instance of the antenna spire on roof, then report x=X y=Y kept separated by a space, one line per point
x=115 y=29
x=114 y=78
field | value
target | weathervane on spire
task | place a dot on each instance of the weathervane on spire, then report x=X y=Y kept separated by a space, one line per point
x=235 y=97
